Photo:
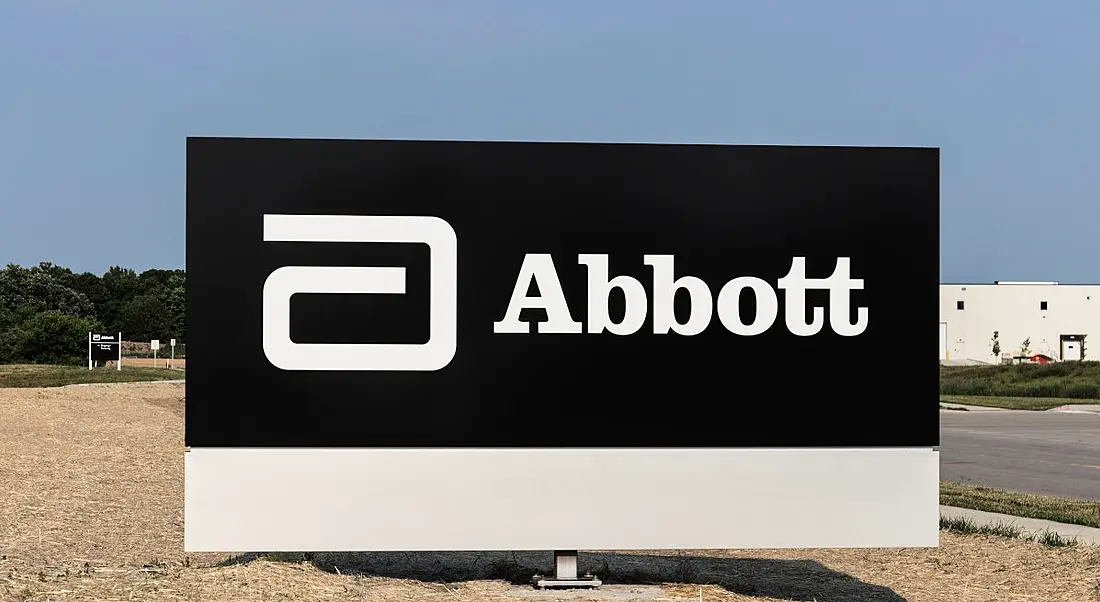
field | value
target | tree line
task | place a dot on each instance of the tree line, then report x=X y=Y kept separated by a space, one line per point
x=46 y=311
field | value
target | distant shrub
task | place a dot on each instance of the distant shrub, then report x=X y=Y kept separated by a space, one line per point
x=49 y=337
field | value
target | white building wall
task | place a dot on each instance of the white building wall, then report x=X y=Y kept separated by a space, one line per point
x=1015 y=311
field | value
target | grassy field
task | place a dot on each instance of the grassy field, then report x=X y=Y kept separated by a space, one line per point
x=1021 y=387
x=24 y=376
x=92 y=483
x=1011 y=403
x=1067 y=380
x=1074 y=512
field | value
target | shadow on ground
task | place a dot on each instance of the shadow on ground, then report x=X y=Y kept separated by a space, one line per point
x=783 y=579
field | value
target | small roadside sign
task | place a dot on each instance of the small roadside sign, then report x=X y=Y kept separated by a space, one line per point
x=104 y=347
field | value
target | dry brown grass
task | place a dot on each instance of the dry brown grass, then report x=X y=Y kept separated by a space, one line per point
x=91 y=508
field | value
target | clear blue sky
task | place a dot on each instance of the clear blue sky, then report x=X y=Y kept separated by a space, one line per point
x=96 y=99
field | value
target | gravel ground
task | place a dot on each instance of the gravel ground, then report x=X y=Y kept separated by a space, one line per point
x=91 y=500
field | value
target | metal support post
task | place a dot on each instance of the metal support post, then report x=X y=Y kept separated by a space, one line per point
x=565 y=573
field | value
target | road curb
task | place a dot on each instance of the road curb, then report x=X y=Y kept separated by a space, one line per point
x=1033 y=526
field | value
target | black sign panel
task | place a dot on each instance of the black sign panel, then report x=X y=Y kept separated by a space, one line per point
x=104 y=347
x=489 y=294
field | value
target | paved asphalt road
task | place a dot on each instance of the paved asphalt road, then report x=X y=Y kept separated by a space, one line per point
x=1048 y=453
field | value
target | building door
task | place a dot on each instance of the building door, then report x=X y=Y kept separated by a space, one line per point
x=1071 y=351
x=943 y=341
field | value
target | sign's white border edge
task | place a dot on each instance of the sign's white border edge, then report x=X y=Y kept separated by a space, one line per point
x=309 y=499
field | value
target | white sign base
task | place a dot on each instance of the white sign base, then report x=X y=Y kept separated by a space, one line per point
x=237 y=500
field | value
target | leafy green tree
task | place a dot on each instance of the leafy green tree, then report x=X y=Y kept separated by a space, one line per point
x=41 y=289
x=120 y=285
x=169 y=288
x=52 y=337
x=10 y=333
x=92 y=287
x=174 y=297
x=144 y=318
x=36 y=304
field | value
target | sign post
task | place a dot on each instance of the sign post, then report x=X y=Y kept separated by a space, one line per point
x=173 y=359
x=613 y=278
x=103 y=347
x=155 y=345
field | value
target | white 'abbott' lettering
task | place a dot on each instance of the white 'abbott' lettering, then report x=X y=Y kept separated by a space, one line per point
x=287 y=281
x=540 y=268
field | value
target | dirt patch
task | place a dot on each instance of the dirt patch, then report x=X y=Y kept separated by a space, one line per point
x=148 y=362
x=92 y=474
x=174 y=403
x=91 y=495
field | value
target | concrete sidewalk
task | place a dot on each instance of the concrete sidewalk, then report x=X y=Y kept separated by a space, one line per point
x=1073 y=408
x=960 y=406
x=1078 y=408
x=1033 y=526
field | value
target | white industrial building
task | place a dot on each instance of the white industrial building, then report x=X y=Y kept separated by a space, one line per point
x=1056 y=319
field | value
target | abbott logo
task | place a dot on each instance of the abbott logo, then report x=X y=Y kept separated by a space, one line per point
x=287 y=281
x=539 y=268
